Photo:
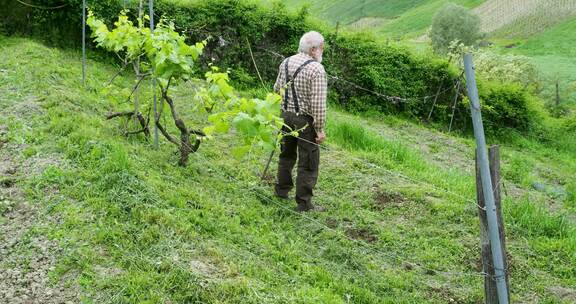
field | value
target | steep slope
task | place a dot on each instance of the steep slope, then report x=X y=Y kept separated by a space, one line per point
x=398 y=19
x=523 y=18
x=349 y=11
x=391 y=18
x=401 y=223
x=552 y=52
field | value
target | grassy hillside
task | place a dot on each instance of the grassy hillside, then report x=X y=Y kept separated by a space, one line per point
x=348 y=11
x=553 y=54
x=398 y=19
x=392 y=18
x=87 y=209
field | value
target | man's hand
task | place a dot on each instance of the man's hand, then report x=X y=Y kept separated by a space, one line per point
x=320 y=138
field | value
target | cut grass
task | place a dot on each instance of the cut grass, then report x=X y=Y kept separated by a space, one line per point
x=138 y=229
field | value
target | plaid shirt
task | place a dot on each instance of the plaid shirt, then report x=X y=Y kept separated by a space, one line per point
x=311 y=87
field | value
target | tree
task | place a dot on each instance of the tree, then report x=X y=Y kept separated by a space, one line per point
x=454 y=22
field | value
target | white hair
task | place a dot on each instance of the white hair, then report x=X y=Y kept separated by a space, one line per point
x=309 y=41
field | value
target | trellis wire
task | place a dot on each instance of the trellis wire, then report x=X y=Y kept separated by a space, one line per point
x=42 y=7
x=400 y=175
x=393 y=99
x=338 y=232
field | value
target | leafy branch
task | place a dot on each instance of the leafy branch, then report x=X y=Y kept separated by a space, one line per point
x=166 y=57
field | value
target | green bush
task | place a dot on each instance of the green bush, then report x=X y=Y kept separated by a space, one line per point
x=60 y=27
x=507 y=68
x=390 y=70
x=506 y=106
x=564 y=136
x=454 y=22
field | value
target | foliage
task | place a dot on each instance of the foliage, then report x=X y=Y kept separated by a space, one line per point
x=506 y=85
x=165 y=56
x=491 y=66
x=56 y=26
x=507 y=106
x=392 y=71
x=229 y=27
x=454 y=22
x=507 y=69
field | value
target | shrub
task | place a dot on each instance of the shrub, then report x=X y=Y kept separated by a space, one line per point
x=390 y=70
x=60 y=27
x=507 y=69
x=506 y=106
x=564 y=136
x=454 y=22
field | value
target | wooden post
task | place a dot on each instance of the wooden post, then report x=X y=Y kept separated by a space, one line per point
x=334 y=41
x=486 y=178
x=435 y=100
x=490 y=290
x=455 y=104
x=137 y=64
x=557 y=92
x=154 y=86
x=84 y=42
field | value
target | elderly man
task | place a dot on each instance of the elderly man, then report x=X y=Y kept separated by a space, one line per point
x=302 y=82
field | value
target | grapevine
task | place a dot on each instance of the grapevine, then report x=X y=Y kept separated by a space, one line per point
x=165 y=56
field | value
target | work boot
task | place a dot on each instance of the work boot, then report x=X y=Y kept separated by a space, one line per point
x=310 y=208
x=281 y=195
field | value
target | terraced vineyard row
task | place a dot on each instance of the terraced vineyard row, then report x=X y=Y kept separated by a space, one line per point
x=522 y=18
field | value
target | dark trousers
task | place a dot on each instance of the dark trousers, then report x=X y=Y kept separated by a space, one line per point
x=305 y=152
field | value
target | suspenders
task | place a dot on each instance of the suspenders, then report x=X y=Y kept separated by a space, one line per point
x=290 y=81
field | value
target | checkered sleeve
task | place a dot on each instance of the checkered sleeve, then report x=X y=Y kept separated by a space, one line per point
x=280 y=80
x=318 y=95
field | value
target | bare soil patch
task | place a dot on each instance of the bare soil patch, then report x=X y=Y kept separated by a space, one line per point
x=363 y=234
x=385 y=199
x=27 y=257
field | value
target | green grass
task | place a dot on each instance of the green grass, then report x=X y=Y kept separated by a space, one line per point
x=555 y=41
x=348 y=11
x=136 y=228
x=553 y=54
